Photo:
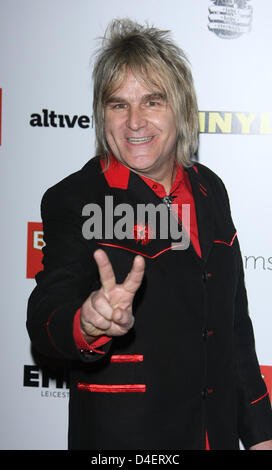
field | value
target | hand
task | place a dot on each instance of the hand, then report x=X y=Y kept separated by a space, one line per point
x=266 y=445
x=108 y=311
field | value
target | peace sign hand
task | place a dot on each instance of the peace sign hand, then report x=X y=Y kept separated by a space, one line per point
x=108 y=311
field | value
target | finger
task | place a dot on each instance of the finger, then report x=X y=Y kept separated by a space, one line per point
x=100 y=322
x=100 y=303
x=135 y=276
x=123 y=318
x=92 y=321
x=106 y=273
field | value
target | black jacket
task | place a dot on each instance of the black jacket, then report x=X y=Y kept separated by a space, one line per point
x=195 y=368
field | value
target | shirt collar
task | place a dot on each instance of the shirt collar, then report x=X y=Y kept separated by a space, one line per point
x=117 y=176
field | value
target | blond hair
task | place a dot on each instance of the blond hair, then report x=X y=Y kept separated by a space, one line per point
x=153 y=57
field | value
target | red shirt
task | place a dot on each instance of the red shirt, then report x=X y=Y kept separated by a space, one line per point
x=182 y=192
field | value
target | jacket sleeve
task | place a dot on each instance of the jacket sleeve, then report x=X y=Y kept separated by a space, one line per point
x=254 y=407
x=69 y=276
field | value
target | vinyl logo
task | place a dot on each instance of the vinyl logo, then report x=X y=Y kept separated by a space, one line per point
x=35 y=244
x=235 y=122
x=229 y=19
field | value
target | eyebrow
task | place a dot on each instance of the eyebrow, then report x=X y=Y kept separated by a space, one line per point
x=147 y=97
x=154 y=96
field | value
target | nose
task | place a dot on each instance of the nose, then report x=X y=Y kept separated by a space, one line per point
x=136 y=119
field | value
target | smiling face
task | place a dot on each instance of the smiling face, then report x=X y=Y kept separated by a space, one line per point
x=140 y=128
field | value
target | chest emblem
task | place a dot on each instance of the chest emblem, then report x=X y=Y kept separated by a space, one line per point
x=143 y=234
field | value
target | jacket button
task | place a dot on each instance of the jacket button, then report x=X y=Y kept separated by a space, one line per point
x=205 y=276
x=206 y=392
x=206 y=334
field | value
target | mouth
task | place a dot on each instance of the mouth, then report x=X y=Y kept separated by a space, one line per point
x=139 y=140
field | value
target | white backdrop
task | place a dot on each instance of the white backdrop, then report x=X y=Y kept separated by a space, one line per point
x=46 y=134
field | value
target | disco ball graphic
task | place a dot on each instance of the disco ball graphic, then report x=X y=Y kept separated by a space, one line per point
x=230 y=19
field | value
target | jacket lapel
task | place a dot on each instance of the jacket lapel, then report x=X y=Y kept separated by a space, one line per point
x=203 y=206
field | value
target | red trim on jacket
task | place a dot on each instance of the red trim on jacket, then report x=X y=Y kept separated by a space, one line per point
x=112 y=388
x=139 y=252
x=227 y=243
x=127 y=358
x=260 y=398
x=207 y=444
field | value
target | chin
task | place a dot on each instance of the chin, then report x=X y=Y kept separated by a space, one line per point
x=139 y=163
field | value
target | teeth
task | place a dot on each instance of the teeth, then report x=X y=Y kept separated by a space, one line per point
x=140 y=140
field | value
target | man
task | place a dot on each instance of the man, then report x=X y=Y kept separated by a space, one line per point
x=158 y=328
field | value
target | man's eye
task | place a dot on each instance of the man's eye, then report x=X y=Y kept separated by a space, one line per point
x=152 y=103
x=119 y=106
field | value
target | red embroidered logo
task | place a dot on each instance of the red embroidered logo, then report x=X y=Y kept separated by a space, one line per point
x=143 y=234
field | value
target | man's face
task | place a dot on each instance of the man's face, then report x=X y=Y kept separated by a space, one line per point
x=140 y=127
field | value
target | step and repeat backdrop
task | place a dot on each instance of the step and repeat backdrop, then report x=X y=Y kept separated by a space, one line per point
x=46 y=133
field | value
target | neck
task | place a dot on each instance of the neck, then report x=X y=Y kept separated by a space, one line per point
x=164 y=176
